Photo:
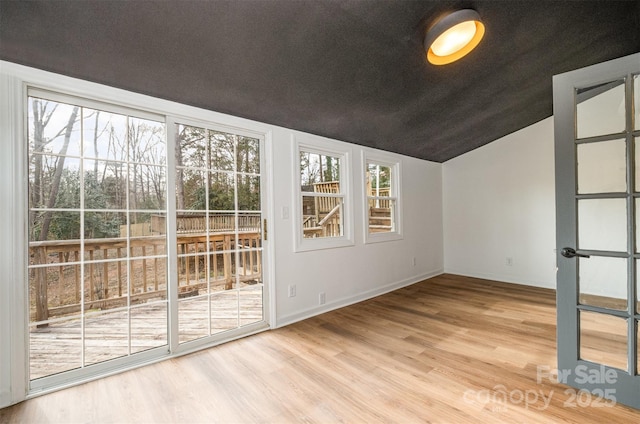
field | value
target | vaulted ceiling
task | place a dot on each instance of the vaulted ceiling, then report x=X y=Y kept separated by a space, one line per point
x=353 y=70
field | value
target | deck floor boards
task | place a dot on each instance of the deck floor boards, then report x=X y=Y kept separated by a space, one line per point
x=57 y=347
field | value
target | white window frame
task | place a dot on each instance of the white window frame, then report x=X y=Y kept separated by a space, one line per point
x=323 y=146
x=395 y=164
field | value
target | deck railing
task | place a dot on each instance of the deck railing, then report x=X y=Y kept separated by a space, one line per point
x=197 y=223
x=117 y=272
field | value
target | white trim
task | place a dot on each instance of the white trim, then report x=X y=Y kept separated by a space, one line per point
x=512 y=279
x=350 y=300
x=110 y=95
x=323 y=146
x=34 y=91
x=268 y=245
x=13 y=249
x=395 y=164
x=173 y=337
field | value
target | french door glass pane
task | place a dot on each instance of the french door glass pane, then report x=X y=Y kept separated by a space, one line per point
x=603 y=282
x=636 y=96
x=602 y=167
x=638 y=347
x=603 y=339
x=602 y=224
x=637 y=288
x=637 y=202
x=600 y=109
x=637 y=163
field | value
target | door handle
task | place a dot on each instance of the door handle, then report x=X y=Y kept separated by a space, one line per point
x=569 y=252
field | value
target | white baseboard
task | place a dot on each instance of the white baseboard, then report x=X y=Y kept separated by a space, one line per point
x=350 y=300
x=503 y=278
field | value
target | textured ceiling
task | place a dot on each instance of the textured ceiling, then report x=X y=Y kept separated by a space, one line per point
x=350 y=70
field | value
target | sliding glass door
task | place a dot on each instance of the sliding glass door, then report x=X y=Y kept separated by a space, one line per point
x=144 y=234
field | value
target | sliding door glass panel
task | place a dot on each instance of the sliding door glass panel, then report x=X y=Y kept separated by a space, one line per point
x=104 y=141
x=97 y=194
x=62 y=338
x=250 y=305
x=224 y=311
x=603 y=339
x=219 y=222
x=190 y=323
x=600 y=109
x=97 y=326
x=148 y=326
x=602 y=167
x=602 y=224
x=603 y=282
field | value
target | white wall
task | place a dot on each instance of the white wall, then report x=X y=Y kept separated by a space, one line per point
x=346 y=275
x=350 y=274
x=499 y=203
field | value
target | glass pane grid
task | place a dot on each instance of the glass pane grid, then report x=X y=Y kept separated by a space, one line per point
x=219 y=224
x=99 y=253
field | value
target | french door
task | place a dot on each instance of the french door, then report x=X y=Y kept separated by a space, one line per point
x=145 y=236
x=597 y=150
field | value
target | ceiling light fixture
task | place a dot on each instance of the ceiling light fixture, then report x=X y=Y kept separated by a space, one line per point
x=453 y=36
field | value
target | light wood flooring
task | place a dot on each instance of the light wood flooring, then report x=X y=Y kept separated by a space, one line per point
x=447 y=350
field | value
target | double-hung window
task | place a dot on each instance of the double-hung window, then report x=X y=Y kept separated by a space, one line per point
x=382 y=208
x=323 y=206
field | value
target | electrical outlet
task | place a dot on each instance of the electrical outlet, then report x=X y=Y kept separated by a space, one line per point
x=509 y=261
x=413 y=262
x=322 y=298
x=292 y=290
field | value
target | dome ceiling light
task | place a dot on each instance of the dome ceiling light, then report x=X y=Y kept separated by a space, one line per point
x=453 y=37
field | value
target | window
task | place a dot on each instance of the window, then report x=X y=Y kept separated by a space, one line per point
x=381 y=199
x=322 y=198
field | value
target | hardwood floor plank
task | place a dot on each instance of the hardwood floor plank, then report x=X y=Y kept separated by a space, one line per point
x=450 y=349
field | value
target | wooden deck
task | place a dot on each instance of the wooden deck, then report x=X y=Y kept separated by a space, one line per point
x=58 y=347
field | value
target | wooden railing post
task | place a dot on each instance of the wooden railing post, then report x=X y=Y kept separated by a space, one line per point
x=228 y=275
x=42 y=299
